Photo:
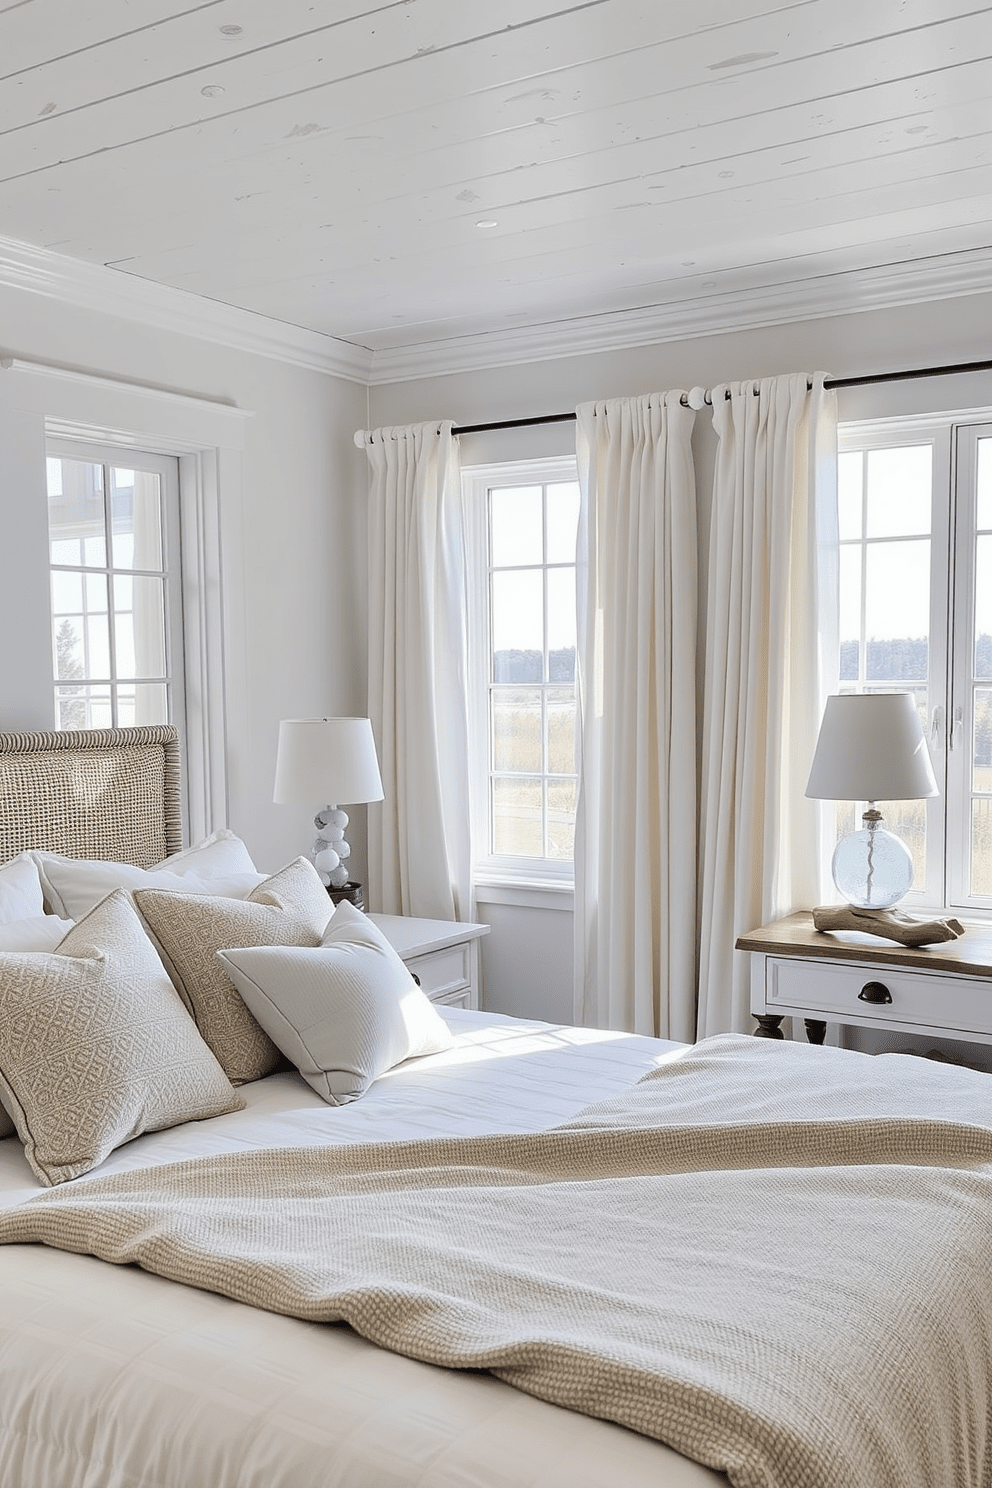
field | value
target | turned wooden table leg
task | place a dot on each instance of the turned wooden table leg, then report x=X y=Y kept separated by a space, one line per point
x=816 y=1030
x=769 y=1025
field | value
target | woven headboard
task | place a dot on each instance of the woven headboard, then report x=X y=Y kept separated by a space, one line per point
x=92 y=793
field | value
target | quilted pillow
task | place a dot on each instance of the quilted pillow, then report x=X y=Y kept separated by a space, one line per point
x=221 y=864
x=343 y=1013
x=290 y=908
x=96 y=1047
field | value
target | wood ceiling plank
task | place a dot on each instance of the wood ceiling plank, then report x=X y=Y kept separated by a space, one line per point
x=255 y=80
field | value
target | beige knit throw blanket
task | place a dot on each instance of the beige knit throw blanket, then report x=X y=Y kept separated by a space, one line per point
x=776 y=1259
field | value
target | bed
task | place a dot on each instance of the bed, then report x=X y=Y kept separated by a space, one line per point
x=845 y=1216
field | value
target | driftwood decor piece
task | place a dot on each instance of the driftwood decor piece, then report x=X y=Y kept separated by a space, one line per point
x=889 y=923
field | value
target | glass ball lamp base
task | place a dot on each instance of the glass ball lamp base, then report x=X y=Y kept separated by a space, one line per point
x=873 y=869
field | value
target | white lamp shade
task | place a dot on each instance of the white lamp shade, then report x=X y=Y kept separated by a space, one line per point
x=326 y=760
x=871 y=748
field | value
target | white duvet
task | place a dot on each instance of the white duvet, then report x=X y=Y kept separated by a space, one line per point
x=113 y=1378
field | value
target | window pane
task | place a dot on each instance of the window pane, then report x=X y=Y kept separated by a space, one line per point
x=516 y=716
x=899 y=490
x=561 y=818
x=981 y=847
x=67 y=592
x=982 y=755
x=985 y=483
x=983 y=608
x=897 y=610
x=142 y=703
x=69 y=657
x=563 y=521
x=561 y=624
x=850 y=612
x=137 y=525
x=83 y=707
x=561 y=730
x=75 y=513
x=850 y=466
x=517 y=827
x=518 y=626
x=139 y=626
x=516 y=526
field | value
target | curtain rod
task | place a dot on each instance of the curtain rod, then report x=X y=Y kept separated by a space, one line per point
x=828 y=382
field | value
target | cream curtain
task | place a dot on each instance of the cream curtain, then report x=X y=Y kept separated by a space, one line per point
x=772 y=551
x=419 y=846
x=635 y=848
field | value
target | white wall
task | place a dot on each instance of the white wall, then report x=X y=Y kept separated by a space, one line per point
x=527 y=963
x=292 y=551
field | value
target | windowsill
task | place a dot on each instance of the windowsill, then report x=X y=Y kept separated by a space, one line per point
x=524 y=894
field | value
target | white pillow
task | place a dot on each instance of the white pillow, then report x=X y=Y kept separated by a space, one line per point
x=221 y=864
x=20 y=890
x=345 y=1011
x=40 y=933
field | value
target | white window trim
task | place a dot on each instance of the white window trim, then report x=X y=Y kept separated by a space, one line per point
x=208 y=438
x=530 y=881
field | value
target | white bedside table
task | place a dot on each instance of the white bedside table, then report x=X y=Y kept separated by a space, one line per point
x=845 y=977
x=442 y=954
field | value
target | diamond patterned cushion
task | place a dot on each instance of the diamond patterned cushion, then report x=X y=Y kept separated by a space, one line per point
x=96 y=1047
x=290 y=908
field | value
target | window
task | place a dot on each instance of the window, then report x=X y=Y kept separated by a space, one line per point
x=523 y=519
x=116 y=600
x=915 y=525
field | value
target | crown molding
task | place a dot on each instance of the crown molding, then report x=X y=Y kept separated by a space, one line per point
x=744 y=309
x=112 y=292
x=748 y=307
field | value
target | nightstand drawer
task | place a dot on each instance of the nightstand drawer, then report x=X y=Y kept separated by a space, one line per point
x=832 y=990
x=444 y=973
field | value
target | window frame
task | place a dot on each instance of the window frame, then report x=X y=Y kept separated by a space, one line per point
x=493 y=870
x=951 y=594
x=166 y=467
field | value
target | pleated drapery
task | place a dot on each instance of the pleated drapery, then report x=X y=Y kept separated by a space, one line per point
x=772 y=554
x=635 y=845
x=419 y=845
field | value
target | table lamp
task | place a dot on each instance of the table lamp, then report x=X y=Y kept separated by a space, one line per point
x=328 y=759
x=871 y=748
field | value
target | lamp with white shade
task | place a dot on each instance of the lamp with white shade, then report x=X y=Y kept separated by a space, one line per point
x=331 y=760
x=871 y=748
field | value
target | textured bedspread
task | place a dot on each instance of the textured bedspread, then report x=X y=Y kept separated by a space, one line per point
x=776 y=1259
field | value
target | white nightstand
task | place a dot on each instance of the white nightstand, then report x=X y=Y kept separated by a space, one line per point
x=844 y=977
x=442 y=954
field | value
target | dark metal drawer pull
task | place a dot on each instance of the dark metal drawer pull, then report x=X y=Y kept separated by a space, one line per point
x=875 y=992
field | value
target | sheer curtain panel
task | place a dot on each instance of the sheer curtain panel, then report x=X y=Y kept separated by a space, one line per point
x=419 y=848
x=635 y=844
x=772 y=547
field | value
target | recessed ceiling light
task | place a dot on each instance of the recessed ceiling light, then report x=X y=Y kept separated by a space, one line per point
x=212 y=90
x=487 y=222
x=230 y=30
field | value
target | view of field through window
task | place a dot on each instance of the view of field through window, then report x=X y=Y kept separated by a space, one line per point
x=532 y=534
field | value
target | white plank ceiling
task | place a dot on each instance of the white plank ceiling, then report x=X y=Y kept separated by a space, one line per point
x=401 y=172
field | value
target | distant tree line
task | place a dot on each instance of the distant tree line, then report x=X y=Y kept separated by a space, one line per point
x=528 y=666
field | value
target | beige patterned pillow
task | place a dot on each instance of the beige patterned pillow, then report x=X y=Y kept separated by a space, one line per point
x=95 y=1046
x=290 y=908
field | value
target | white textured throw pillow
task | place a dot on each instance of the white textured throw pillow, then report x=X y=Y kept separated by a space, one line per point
x=40 y=933
x=290 y=908
x=96 y=1046
x=20 y=890
x=221 y=864
x=345 y=1012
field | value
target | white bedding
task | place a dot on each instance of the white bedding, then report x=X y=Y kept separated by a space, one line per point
x=113 y=1378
